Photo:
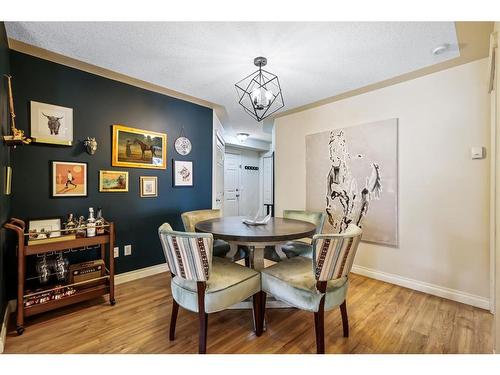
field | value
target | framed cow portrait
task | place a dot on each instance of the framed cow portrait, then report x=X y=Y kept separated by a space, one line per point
x=51 y=124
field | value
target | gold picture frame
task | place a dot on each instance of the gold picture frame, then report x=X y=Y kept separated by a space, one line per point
x=138 y=148
x=149 y=186
x=113 y=181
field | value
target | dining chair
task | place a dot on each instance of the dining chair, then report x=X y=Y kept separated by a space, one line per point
x=204 y=284
x=301 y=247
x=191 y=218
x=316 y=284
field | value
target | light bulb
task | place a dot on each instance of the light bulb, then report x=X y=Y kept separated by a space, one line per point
x=261 y=98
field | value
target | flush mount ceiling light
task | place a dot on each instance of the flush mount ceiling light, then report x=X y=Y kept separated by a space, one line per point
x=242 y=137
x=260 y=93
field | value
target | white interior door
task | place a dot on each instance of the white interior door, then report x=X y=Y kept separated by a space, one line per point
x=268 y=180
x=231 y=184
x=219 y=175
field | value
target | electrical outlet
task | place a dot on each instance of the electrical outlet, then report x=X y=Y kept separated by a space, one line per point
x=128 y=250
x=117 y=252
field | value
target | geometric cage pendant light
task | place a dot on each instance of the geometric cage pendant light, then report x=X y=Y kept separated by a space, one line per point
x=260 y=92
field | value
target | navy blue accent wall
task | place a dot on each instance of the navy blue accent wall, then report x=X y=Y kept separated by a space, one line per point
x=97 y=104
x=4 y=161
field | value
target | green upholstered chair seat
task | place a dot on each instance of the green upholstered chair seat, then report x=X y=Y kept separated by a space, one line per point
x=221 y=248
x=229 y=283
x=297 y=248
x=292 y=281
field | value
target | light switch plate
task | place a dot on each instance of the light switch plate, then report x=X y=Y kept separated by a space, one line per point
x=116 y=252
x=127 y=250
x=477 y=152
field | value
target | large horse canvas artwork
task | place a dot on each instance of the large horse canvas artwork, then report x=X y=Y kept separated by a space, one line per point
x=51 y=124
x=352 y=176
x=138 y=148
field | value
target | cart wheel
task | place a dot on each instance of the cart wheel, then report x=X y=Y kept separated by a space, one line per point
x=20 y=330
x=112 y=302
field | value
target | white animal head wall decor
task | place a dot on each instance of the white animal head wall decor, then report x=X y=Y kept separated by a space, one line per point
x=90 y=145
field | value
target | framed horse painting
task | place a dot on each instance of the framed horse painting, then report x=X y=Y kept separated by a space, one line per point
x=137 y=148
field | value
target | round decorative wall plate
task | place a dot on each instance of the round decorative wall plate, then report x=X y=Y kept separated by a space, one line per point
x=183 y=145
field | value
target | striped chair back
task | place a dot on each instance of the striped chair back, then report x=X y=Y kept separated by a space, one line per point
x=333 y=254
x=188 y=255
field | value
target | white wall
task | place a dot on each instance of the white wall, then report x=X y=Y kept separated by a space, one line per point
x=443 y=194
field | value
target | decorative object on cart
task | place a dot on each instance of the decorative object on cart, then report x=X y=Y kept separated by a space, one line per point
x=183 y=144
x=100 y=222
x=38 y=296
x=60 y=267
x=17 y=137
x=69 y=179
x=182 y=173
x=81 y=228
x=8 y=180
x=91 y=232
x=42 y=269
x=51 y=124
x=113 y=181
x=259 y=93
x=86 y=271
x=70 y=225
x=137 y=148
x=149 y=186
x=32 y=302
x=90 y=145
x=44 y=228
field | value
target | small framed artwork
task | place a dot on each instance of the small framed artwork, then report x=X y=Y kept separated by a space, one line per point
x=69 y=179
x=113 y=181
x=43 y=229
x=51 y=124
x=137 y=148
x=149 y=186
x=182 y=173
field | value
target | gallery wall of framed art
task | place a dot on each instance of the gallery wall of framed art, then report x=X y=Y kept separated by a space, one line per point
x=99 y=103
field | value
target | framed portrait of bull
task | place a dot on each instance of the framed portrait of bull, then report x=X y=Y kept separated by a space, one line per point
x=137 y=148
x=51 y=124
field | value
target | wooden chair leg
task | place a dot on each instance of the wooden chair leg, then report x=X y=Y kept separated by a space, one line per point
x=263 y=299
x=173 y=319
x=257 y=311
x=320 y=332
x=319 y=323
x=345 y=321
x=202 y=317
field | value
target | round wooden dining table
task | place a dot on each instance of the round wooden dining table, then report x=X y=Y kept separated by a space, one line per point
x=274 y=233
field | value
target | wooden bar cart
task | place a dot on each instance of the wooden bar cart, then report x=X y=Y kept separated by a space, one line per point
x=82 y=291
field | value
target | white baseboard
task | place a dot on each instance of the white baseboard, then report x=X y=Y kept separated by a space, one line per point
x=139 y=274
x=436 y=290
x=9 y=309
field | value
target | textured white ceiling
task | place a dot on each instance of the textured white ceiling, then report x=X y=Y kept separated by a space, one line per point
x=204 y=59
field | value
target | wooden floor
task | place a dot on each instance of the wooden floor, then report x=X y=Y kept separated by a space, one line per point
x=384 y=318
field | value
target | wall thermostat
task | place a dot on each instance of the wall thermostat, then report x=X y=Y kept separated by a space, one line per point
x=478 y=152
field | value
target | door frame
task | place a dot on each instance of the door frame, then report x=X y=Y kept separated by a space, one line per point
x=217 y=138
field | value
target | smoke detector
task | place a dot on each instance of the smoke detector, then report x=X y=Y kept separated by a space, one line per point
x=440 y=49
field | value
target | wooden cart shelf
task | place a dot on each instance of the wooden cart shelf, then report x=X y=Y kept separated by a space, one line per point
x=85 y=290
x=35 y=249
